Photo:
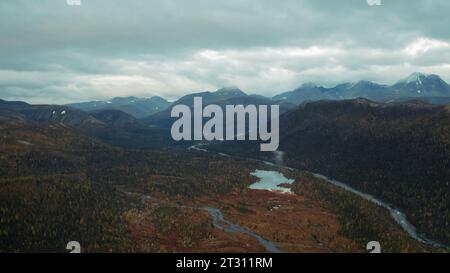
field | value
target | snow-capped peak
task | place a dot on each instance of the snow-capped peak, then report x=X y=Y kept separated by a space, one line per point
x=415 y=77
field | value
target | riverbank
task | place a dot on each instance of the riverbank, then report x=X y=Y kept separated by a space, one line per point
x=399 y=217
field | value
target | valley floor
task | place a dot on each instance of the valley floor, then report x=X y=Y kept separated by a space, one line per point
x=57 y=185
x=300 y=222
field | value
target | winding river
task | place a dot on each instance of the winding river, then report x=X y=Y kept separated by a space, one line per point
x=220 y=222
x=395 y=213
x=227 y=226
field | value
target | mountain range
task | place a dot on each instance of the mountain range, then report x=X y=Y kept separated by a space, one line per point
x=397 y=151
x=137 y=107
x=221 y=97
x=430 y=88
x=114 y=127
x=60 y=180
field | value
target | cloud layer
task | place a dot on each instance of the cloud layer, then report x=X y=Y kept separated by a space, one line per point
x=54 y=53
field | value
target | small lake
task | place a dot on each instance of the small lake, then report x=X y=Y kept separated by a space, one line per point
x=270 y=180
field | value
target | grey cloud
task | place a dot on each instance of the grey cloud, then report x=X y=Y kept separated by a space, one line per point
x=105 y=48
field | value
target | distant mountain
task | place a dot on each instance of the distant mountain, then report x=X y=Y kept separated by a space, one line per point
x=8 y=110
x=421 y=85
x=429 y=87
x=211 y=97
x=12 y=104
x=137 y=107
x=114 y=118
x=221 y=97
x=48 y=114
x=112 y=126
x=307 y=91
x=366 y=89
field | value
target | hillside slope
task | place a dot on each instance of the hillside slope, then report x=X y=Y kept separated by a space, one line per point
x=399 y=152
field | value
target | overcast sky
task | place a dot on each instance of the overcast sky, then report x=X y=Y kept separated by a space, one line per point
x=51 y=52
